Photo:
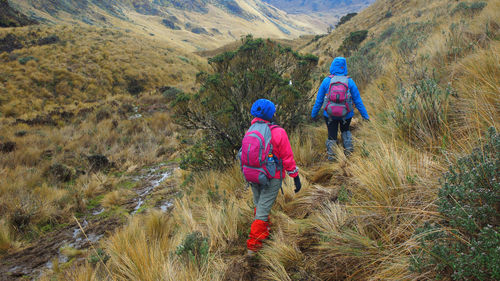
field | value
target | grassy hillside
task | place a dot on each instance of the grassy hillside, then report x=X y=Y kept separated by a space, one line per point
x=12 y=18
x=80 y=110
x=191 y=25
x=428 y=72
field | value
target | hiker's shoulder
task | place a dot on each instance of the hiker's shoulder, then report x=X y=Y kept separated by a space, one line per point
x=277 y=131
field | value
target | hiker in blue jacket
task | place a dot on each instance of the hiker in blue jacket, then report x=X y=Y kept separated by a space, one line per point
x=338 y=69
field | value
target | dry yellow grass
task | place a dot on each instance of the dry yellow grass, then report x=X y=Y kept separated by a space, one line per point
x=388 y=186
x=92 y=92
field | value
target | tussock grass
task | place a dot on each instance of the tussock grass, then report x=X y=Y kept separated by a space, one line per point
x=388 y=185
x=116 y=198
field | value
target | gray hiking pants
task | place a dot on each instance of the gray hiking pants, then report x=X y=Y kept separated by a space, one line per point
x=264 y=197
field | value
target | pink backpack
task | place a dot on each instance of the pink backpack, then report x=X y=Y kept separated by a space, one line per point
x=256 y=158
x=338 y=98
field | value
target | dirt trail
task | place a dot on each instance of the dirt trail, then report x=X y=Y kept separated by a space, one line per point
x=32 y=261
x=327 y=183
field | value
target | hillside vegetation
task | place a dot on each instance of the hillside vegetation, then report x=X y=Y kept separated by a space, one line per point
x=77 y=107
x=417 y=200
x=192 y=25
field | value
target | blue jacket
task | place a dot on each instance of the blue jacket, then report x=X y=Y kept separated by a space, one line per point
x=339 y=67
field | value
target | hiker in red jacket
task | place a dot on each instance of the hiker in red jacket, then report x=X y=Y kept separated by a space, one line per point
x=266 y=157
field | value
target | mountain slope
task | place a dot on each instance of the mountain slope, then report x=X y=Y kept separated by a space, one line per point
x=12 y=18
x=196 y=25
x=428 y=74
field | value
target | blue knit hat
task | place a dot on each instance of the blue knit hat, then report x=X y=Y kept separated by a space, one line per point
x=263 y=109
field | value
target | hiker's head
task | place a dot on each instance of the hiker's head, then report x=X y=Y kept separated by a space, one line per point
x=339 y=66
x=263 y=109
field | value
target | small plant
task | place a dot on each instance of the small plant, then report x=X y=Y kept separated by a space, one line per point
x=464 y=245
x=98 y=256
x=343 y=195
x=184 y=59
x=194 y=249
x=25 y=60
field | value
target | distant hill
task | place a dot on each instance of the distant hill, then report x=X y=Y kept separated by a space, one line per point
x=304 y=6
x=12 y=18
x=196 y=25
x=326 y=11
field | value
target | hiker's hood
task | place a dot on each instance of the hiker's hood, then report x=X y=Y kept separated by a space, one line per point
x=339 y=66
x=264 y=109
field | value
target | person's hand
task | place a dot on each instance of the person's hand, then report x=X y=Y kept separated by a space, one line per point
x=297 y=183
x=314 y=119
x=366 y=120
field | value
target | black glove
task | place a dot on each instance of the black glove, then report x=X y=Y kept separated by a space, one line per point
x=298 y=185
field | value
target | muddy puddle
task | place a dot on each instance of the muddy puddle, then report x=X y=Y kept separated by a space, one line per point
x=32 y=261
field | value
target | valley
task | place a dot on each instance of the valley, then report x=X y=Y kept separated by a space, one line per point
x=117 y=129
x=190 y=25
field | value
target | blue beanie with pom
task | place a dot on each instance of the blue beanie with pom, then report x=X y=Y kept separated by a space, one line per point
x=263 y=109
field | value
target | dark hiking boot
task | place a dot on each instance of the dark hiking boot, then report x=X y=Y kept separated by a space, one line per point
x=330 y=149
x=347 y=142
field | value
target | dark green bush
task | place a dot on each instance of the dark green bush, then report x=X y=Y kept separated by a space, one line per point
x=351 y=43
x=221 y=108
x=465 y=245
x=135 y=85
x=345 y=19
x=194 y=249
x=25 y=60
x=170 y=93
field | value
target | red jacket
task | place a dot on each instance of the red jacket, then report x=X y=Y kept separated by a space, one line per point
x=282 y=150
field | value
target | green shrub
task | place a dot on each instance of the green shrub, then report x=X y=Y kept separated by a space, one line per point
x=469 y=9
x=25 y=60
x=345 y=19
x=351 y=43
x=170 y=93
x=365 y=64
x=221 y=108
x=387 y=33
x=465 y=244
x=421 y=112
x=194 y=249
x=97 y=256
x=135 y=85
x=411 y=35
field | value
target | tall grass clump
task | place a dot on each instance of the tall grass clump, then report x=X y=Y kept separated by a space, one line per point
x=463 y=244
